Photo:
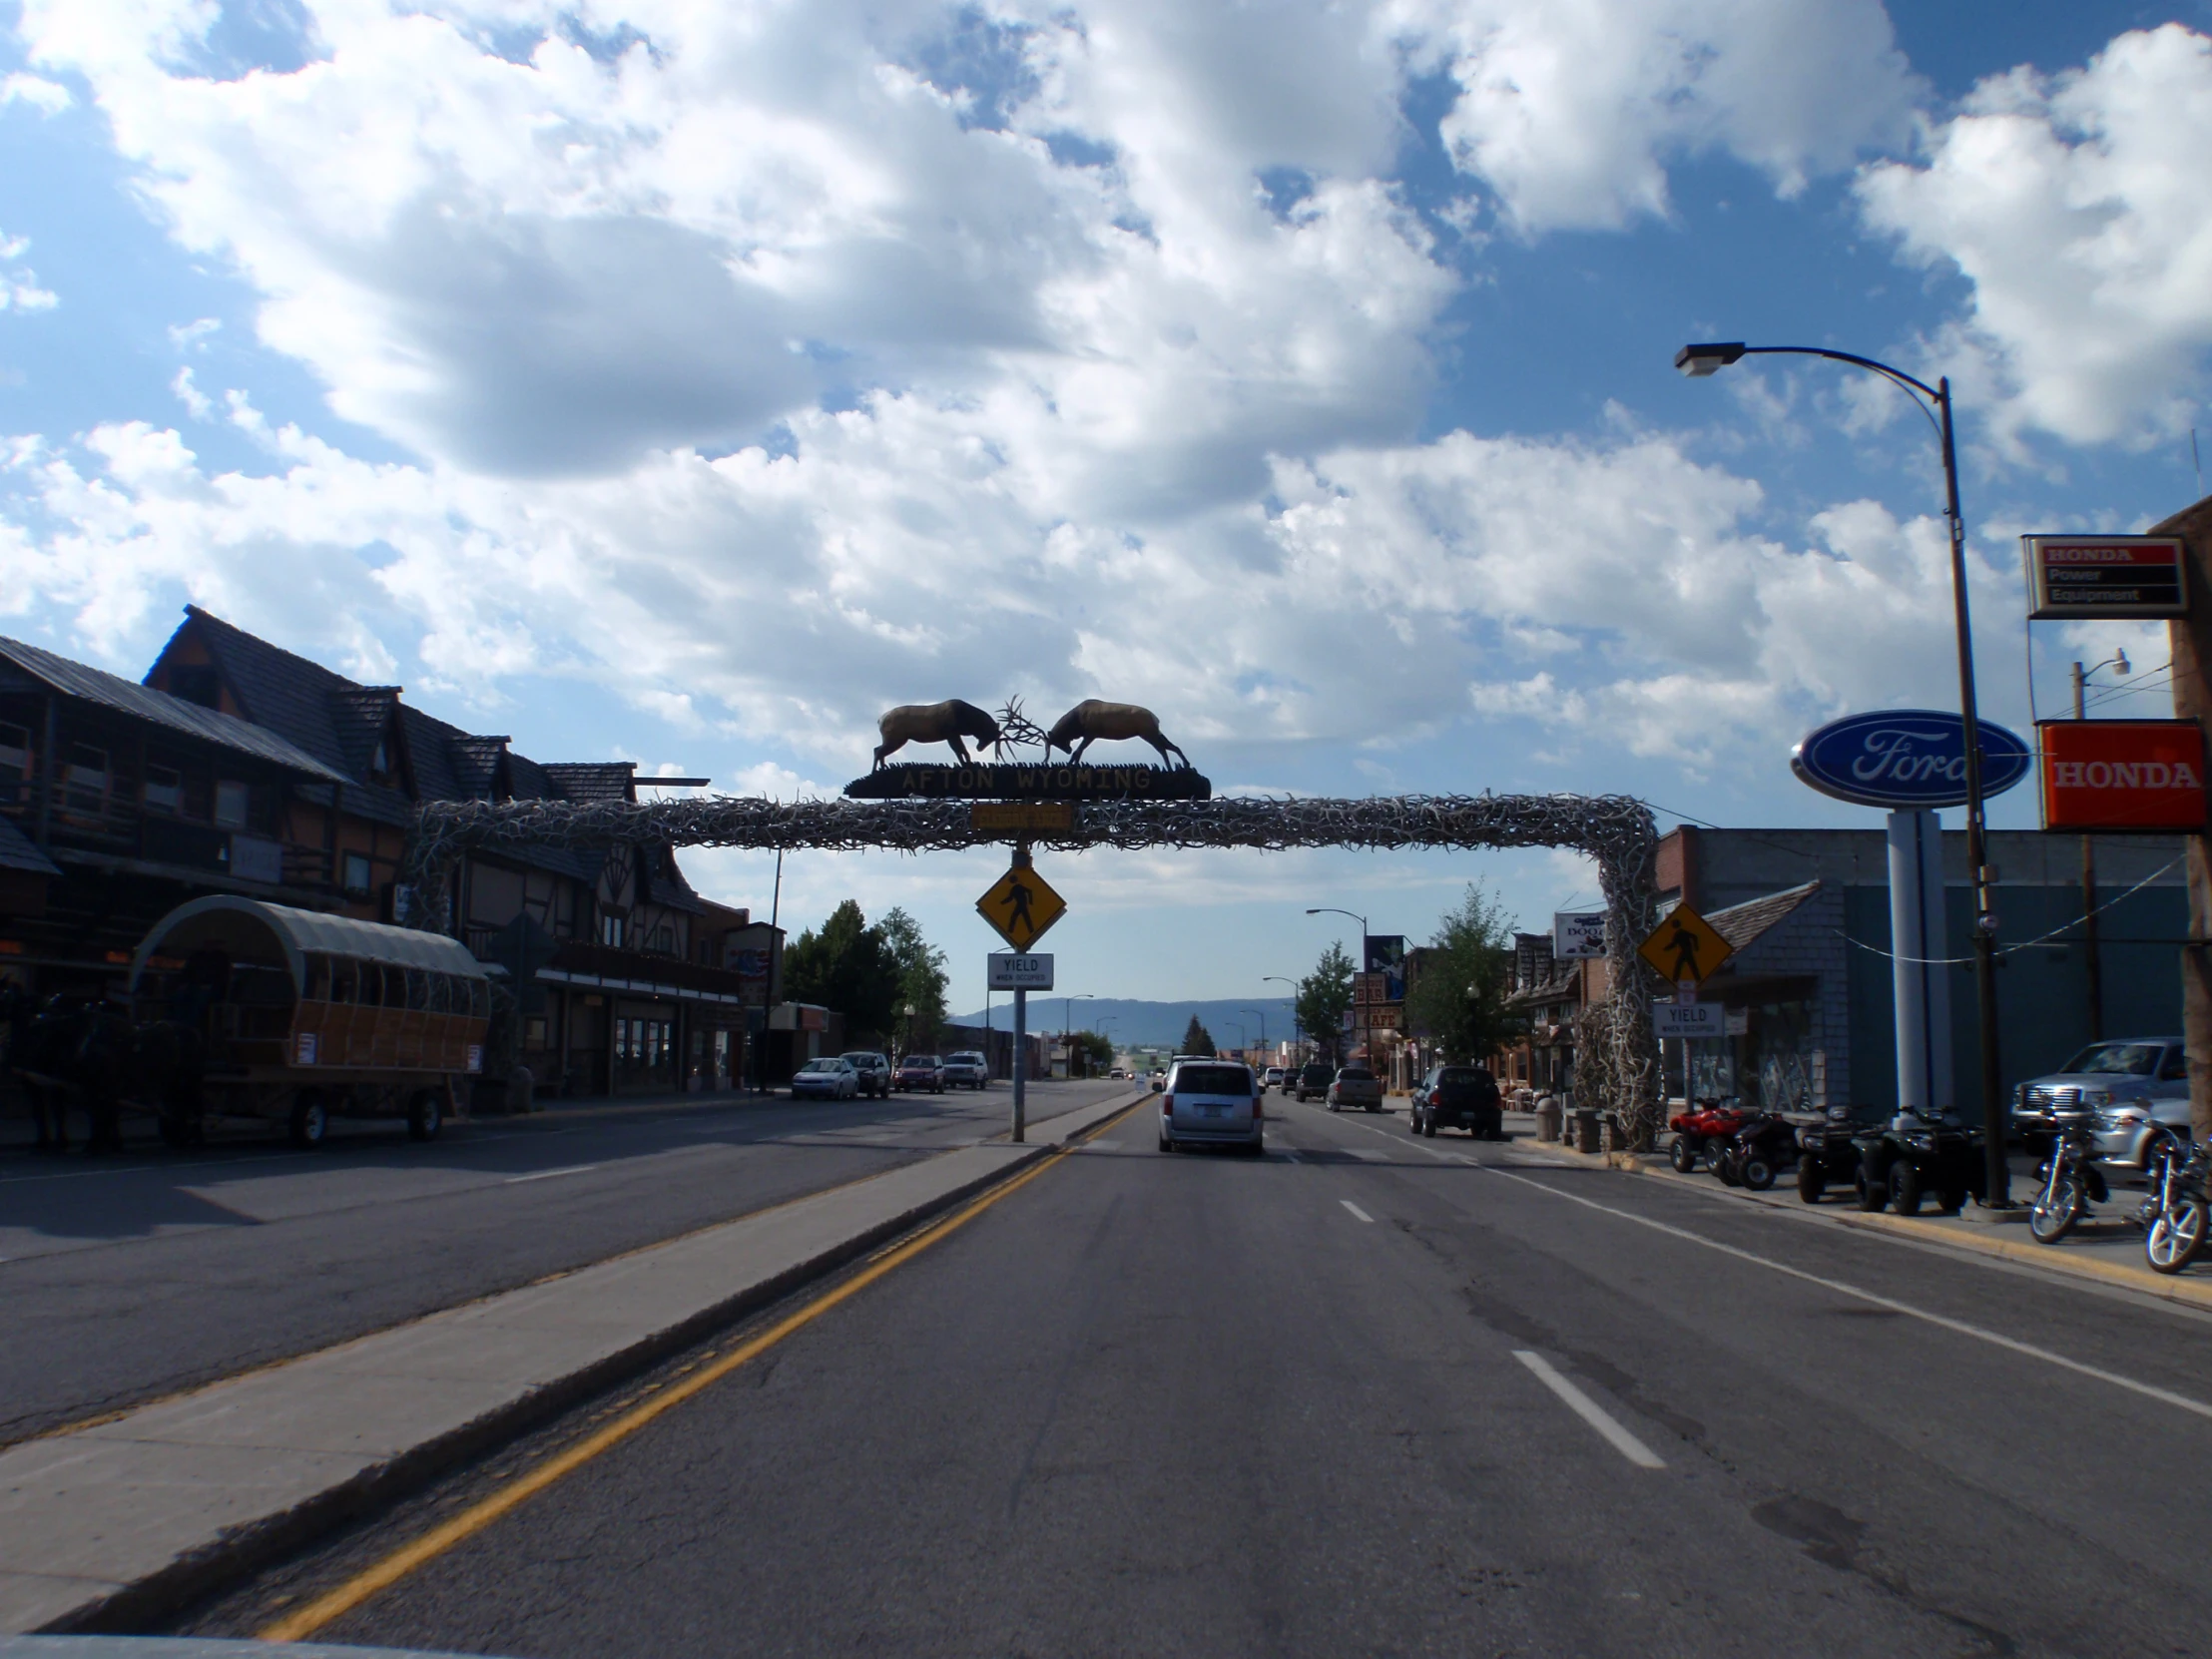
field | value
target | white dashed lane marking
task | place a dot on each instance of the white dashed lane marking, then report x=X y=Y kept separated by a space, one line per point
x=1592 y=1412
x=1356 y=1210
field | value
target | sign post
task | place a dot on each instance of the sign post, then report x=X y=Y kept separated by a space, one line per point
x=1020 y=975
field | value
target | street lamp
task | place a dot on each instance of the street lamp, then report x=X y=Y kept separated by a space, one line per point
x=1698 y=361
x=1065 y=1047
x=1260 y=1015
x=1365 y=1036
x=1297 y=1032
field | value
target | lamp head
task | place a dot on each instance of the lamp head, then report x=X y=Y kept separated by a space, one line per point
x=2119 y=661
x=1697 y=361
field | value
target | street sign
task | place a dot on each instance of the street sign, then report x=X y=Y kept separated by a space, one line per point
x=1685 y=946
x=1022 y=815
x=2105 y=576
x=1383 y=1016
x=1368 y=988
x=1020 y=905
x=1577 y=933
x=2123 y=775
x=1688 y=1019
x=1020 y=973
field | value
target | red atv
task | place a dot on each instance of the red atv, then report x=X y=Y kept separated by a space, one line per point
x=1704 y=1132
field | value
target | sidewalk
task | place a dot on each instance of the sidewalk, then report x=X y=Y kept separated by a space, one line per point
x=2107 y=1248
x=116 y=1523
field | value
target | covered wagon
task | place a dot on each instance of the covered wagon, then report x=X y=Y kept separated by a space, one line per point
x=302 y=1016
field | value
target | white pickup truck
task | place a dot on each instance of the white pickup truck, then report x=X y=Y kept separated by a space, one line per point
x=1356 y=1088
x=966 y=1068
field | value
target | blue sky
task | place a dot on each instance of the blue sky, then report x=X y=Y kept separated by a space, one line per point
x=689 y=383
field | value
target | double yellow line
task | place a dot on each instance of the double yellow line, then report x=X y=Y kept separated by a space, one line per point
x=304 y=1621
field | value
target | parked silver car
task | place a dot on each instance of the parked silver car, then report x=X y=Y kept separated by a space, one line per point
x=831 y=1078
x=1211 y=1103
x=874 y=1072
x=2131 y=1085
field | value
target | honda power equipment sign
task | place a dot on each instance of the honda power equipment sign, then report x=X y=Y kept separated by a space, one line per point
x=2105 y=576
x=2120 y=774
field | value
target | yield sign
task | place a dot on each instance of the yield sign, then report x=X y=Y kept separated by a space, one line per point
x=1020 y=905
x=1685 y=946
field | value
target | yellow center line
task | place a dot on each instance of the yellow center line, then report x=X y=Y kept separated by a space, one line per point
x=419 y=1553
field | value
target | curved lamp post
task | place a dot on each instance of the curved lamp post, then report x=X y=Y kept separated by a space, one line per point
x=1698 y=361
x=1297 y=1031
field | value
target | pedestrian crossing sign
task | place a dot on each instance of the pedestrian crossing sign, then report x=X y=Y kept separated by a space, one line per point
x=1022 y=905
x=1685 y=946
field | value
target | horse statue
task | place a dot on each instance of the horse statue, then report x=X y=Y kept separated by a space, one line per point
x=946 y=721
x=1091 y=720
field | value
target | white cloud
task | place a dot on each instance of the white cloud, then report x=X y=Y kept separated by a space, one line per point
x=47 y=97
x=2079 y=208
x=1571 y=110
x=19 y=289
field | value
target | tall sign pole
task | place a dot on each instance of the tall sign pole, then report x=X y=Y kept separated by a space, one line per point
x=1021 y=1029
x=1019 y=907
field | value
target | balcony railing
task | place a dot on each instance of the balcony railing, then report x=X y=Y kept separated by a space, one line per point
x=80 y=822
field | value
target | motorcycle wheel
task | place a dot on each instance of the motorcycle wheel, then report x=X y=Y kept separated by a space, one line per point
x=1682 y=1155
x=1757 y=1173
x=1724 y=1166
x=1873 y=1195
x=2056 y=1208
x=1811 y=1179
x=2176 y=1235
x=1904 y=1187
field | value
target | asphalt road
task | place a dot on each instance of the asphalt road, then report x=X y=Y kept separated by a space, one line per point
x=1320 y=1403
x=123 y=1280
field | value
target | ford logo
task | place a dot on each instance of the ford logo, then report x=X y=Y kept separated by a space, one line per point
x=1906 y=757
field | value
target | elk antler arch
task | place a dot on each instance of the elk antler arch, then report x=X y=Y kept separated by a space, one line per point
x=1617 y=1060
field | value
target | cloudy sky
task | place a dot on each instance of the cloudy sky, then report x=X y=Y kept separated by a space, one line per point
x=688 y=381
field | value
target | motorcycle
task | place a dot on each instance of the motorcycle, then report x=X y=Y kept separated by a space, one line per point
x=1764 y=1145
x=2176 y=1213
x=1916 y=1154
x=1702 y=1131
x=2071 y=1180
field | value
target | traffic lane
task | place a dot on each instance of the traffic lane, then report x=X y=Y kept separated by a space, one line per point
x=1158 y=1404
x=56 y=1204
x=96 y=1329
x=1926 y=1457
x=2160 y=1341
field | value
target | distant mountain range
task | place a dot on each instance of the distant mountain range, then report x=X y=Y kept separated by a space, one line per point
x=1129 y=1023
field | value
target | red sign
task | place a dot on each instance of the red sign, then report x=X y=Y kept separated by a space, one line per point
x=2122 y=773
x=2105 y=576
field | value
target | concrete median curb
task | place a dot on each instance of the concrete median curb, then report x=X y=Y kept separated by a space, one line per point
x=116 y=1524
x=2187 y=1291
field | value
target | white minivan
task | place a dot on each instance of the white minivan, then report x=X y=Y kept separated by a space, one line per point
x=1211 y=1103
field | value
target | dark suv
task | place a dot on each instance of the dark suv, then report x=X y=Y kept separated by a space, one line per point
x=1460 y=1097
x=1312 y=1082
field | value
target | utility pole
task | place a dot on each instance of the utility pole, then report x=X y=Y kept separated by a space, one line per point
x=2090 y=888
x=2191 y=637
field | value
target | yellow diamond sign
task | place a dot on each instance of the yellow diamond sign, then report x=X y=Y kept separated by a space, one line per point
x=1022 y=905
x=1685 y=946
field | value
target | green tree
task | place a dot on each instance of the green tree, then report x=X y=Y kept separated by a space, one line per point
x=1091 y=1047
x=848 y=966
x=922 y=976
x=1324 y=996
x=1197 y=1039
x=1465 y=975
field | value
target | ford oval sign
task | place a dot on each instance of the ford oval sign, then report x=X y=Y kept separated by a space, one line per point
x=1906 y=758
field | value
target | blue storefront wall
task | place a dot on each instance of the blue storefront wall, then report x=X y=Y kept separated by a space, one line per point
x=2043 y=989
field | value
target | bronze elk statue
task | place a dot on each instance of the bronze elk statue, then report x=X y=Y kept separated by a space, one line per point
x=946 y=721
x=1091 y=720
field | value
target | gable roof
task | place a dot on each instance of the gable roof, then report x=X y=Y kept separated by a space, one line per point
x=112 y=690
x=1741 y=925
